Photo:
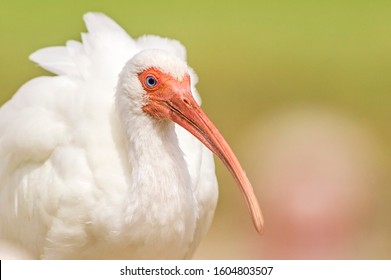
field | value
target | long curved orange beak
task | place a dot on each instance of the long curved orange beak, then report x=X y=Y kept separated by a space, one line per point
x=174 y=101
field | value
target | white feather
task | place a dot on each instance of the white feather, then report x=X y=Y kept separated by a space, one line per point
x=64 y=171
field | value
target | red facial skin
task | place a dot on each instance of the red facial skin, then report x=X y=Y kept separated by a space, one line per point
x=172 y=99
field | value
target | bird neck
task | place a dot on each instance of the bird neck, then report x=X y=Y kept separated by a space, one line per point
x=161 y=200
x=153 y=151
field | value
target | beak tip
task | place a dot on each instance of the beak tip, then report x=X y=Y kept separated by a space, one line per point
x=256 y=215
x=260 y=227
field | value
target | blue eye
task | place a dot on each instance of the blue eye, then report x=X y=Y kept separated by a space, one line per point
x=150 y=81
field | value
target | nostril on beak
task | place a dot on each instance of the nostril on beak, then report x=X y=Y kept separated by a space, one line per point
x=187 y=102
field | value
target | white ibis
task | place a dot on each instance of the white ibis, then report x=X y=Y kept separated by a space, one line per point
x=92 y=164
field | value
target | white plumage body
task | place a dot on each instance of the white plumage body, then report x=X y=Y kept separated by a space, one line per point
x=71 y=184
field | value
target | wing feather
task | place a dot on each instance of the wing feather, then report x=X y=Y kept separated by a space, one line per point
x=52 y=134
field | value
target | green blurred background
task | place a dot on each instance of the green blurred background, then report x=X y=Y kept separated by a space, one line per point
x=255 y=59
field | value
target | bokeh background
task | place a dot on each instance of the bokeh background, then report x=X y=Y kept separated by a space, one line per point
x=300 y=89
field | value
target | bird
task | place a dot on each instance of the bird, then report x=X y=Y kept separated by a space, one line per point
x=111 y=157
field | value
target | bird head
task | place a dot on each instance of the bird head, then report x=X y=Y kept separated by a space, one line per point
x=157 y=84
